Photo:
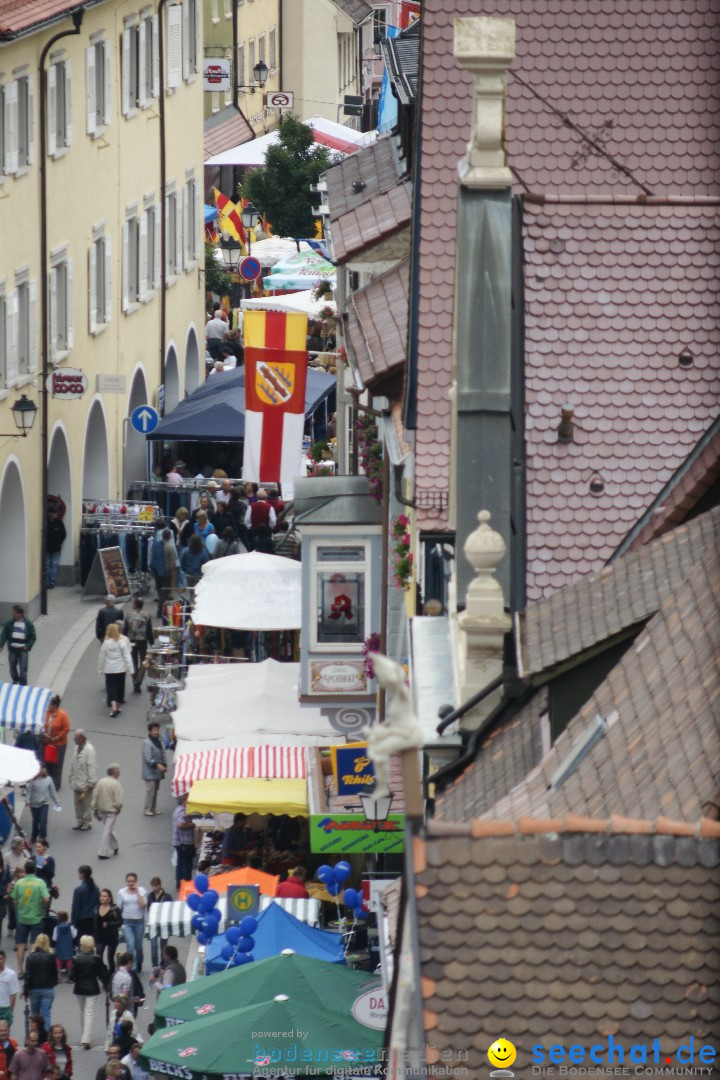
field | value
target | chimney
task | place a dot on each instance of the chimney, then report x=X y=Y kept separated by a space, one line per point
x=486 y=47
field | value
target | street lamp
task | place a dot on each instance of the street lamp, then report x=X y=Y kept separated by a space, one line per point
x=376 y=807
x=261 y=72
x=23 y=413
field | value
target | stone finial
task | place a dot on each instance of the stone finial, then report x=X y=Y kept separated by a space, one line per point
x=486 y=47
x=484 y=550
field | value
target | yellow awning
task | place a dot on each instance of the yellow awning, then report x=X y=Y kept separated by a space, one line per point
x=249 y=796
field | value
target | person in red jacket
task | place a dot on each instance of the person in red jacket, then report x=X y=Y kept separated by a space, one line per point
x=294 y=887
x=8 y=1047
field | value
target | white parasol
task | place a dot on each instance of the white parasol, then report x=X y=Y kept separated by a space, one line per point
x=250 y=592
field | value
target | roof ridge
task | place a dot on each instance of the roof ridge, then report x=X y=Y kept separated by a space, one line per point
x=617 y=825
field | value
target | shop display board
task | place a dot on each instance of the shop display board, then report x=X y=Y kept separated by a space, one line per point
x=108 y=575
x=351 y=833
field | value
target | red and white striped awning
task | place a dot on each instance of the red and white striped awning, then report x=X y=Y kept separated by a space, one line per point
x=238 y=762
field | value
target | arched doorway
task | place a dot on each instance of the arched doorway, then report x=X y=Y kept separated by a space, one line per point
x=192 y=362
x=135 y=459
x=60 y=483
x=96 y=469
x=13 y=565
x=172 y=380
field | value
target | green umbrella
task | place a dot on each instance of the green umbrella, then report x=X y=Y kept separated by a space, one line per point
x=288 y=973
x=283 y=1035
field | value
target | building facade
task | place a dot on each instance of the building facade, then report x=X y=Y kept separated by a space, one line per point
x=254 y=27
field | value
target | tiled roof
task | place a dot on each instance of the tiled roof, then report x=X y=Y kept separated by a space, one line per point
x=567 y=932
x=621 y=595
x=648 y=100
x=613 y=295
x=371 y=222
x=19 y=16
x=226 y=129
x=357 y=10
x=661 y=702
x=374 y=170
x=402 y=60
x=377 y=324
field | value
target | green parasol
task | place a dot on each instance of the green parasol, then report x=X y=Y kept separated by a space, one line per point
x=289 y=973
x=283 y=1035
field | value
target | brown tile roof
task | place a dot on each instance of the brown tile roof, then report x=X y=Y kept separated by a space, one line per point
x=377 y=325
x=621 y=595
x=226 y=129
x=371 y=222
x=568 y=932
x=18 y=17
x=634 y=111
x=357 y=10
x=373 y=170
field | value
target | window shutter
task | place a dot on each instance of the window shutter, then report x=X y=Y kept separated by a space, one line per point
x=11 y=129
x=125 y=261
x=107 y=103
x=185 y=39
x=178 y=233
x=69 y=303
x=92 y=287
x=52 y=321
x=30 y=119
x=166 y=268
x=197 y=42
x=90 y=89
x=68 y=102
x=52 y=109
x=143 y=258
x=187 y=234
x=214 y=12
x=142 y=63
x=199 y=219
x=11 y=318
x=157 y=241
x=32 y=325
x=155 y=56
x=108 y=278
x=174 y=46
x=126 y=104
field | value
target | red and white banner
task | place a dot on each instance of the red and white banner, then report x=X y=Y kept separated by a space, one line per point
x=239 y=762
x=276 y=362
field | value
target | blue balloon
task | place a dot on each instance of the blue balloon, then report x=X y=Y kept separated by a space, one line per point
x=333 y=887
x=214 y=917
x=203 y=939
x=245 y=944
x=208 y=901
x=197 y=922
x=201 y=883
x=324 y=869
x=342 y=871
x=227 y=952
x=214 y=894
x=326 y=876
x=241 y=958
x=350 y=898
x=193 y=901
x=248 y=926
x=233 y=935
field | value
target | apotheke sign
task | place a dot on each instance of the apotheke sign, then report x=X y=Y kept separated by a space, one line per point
x=66 y=383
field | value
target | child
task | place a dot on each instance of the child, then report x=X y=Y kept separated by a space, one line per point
x=63 y=936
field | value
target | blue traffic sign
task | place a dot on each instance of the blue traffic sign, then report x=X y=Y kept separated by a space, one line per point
x=144 y=419
x=250 y=268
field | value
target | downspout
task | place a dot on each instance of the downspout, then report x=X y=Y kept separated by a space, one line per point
x=77 y=18
x=236 y=92
x=280 y=47
x=163 y=181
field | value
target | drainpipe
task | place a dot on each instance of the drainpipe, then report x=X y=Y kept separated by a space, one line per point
x=77 y=18
x=163 y=180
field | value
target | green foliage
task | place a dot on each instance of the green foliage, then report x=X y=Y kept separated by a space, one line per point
x=281 y=191
x=318 y=448
x=217 y=279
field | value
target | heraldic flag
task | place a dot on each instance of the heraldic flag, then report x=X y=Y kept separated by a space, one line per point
x=276 y=362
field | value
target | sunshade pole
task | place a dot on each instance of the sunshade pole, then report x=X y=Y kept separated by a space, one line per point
x=15 y=822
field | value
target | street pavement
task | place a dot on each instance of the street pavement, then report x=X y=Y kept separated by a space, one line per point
x=65 y=660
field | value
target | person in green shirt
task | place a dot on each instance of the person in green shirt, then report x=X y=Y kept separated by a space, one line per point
x=31 y=897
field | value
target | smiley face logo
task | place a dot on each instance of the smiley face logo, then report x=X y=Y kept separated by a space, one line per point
x=502 y=1053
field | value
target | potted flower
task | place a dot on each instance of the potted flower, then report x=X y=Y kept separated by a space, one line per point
x=402 y=556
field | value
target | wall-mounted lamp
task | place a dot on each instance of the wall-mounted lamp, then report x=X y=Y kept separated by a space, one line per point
x=23 y=412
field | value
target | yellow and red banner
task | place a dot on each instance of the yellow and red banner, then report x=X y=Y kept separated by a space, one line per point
x=276 y=362
x=229 y=219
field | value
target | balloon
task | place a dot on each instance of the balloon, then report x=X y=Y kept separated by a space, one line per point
x=240 y=958
x=245 y=944
x=203 y=939
x=350 y=898
x=342 y=871
x=233 y=935
x=227 y=952
x=213 y=918
x=325 y=876
x=201 y=883
x=360 y=903
x=193 y=901
x=248 y=926
x=208 y=901
x=333 y=887
x=324 y=869
x=197 y=922
x=215 y=896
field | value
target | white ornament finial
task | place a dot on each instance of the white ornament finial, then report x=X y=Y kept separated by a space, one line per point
x=401 y=730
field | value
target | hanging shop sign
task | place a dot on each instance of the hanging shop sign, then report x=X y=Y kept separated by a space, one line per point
x=352 y=834
x=67 y=383
x=242 y=900
x=217 y=73
x=353 y=769
x=371 y=1007
x=338 y=677
x=279 y=99
x=110 y=384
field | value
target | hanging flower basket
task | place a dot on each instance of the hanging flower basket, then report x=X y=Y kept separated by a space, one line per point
x=371 y=645
x=370 y=455
x=402 y=555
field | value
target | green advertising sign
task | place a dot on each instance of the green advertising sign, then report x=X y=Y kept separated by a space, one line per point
x=351 y=833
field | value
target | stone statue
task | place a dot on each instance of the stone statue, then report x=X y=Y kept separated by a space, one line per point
x=401 y=730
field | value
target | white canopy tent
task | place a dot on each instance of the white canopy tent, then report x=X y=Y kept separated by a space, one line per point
x=17 y=766
x=253 y=591
x=327 y=133
x=299 y=301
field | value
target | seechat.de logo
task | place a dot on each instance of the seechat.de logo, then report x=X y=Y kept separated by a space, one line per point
x=501 y=1054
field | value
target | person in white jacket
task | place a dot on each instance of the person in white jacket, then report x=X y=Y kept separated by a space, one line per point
x=115 y=662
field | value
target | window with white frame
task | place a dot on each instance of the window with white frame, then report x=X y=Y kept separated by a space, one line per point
x=98 y=88
x=190 y=24
x=131 y=261
x=2 y=131
x=18 y=105
x=99 y=280
x=173 y=235
x=379 y=24
x=261 y=48
x=148 y=59
x=272 y=61
x=59 y=107
x=129 y=52
x=60 y=331
x=241 y=65
x=251 y=60
x=149 y=251
x=191 y=222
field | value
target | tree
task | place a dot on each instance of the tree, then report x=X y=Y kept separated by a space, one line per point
x=281 y=191
x=217 y=279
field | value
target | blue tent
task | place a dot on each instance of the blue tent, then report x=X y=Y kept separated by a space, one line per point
x=215 y=412
x=277 y=930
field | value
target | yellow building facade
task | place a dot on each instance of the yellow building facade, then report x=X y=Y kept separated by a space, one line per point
x=101 y=257
x=256 y=27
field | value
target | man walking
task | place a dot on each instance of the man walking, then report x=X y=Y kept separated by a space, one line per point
x=82 y=779
x=154 y=767
x=8 y=1047
x=107 y=802
x=55 y=538
x=31 y=898
x=106 y=615
x=19 y=633
x=183 y=840
x=32 y=1062
x=8 y=992
x=138 y=628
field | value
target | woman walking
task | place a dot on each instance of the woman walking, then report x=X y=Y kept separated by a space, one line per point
x=40 y=792
x=115 y=662
x=5 y=883
x=108 y=921
x=55 y=738
x=58 y=1051
x=86 y=898
x=193 y=558
x=86 y=973
x=40 y=978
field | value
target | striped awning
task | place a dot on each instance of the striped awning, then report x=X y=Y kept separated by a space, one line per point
x=239 y=763
x=23 y=707
x=172 y=917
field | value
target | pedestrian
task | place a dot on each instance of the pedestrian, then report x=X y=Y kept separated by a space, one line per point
x=107 y=614
x=139 y=632
x=30 y=1063
x=113 y=1069
x=131 y=1061
x=183 y=841
x=55 y=536
x=132 y=901
x=86 y=898
x=31 y=897
x=45 y=865
x=59 y=1051
x=55 y=739
x=122 y=980
x=115 y=662
x=294 y=888
x=63 y=937
x=120 y=1014
x=193 y=558
x=82 y=778
x=39 y=793
x=172 y=972
x=162 y=564
x=40 y=978
x=19 y=634
x=5 y=879
x=8 y=1047
x=87 y=973
x=9 y=987
x=154 y=767
x=157 y=895
x=107 y=802
x=108 y=922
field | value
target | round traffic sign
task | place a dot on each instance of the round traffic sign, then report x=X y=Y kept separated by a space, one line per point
x=250 y=268
x=144 y=419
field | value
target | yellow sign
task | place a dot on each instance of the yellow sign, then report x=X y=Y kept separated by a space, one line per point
x=274 y=383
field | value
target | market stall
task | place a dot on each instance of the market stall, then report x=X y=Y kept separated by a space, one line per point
x=173 y=918
x=225 y=762
x=244 y=875
x=254 y=591
x=23 y=708
x=278 y=929
x=251 y=796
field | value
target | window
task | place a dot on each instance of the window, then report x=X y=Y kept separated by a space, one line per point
x=130 y=47
x=149 y=252
x=141 y=64
x=342 y=575
x=272 y=62
x=379 y=25
x=173 y=236
x=130 y=267
x=61 y=305
x=98 y=87
x=191 y=217
x=214 y=11
x=189 y=39
x=241 y=65
x=261 y=48
x=251 y=59
x=228 y=9
x=99 y=281
x=17 y=124
x=59 y=112
x=26 y=314
x=174 y=46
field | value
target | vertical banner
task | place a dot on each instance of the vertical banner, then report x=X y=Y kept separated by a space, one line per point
x=276 y=362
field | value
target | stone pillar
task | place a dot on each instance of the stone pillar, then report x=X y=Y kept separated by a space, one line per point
x=484 y=623
x=486 y=47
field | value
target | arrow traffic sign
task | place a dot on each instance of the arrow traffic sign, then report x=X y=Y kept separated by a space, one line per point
x=144 y=419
